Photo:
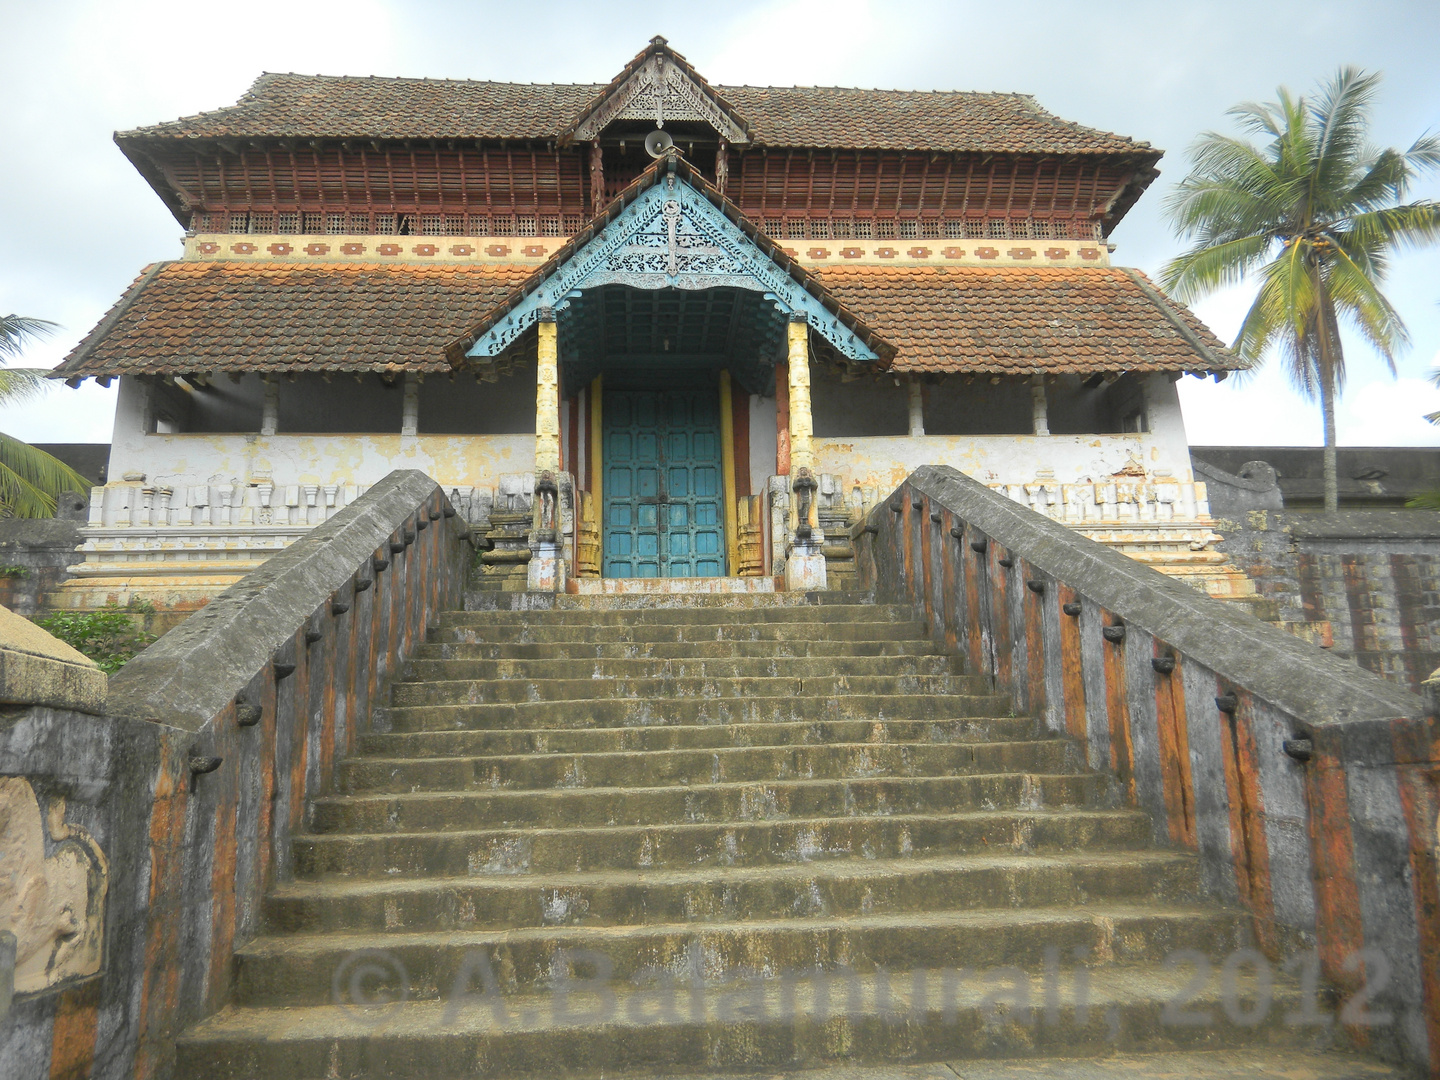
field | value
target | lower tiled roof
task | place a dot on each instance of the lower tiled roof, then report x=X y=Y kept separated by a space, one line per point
x=213 y=316
x=1024 y=320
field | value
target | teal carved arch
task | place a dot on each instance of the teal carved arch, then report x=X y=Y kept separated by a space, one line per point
x=672 y=237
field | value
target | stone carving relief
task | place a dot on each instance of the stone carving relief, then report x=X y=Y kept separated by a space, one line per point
x=53 y=879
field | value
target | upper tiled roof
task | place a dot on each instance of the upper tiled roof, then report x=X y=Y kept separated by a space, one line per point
x=1023 y=320
x=213 y=316
x=339 y=107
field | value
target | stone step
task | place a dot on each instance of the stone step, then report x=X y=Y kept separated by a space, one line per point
x=298 y=969
x=681 y=615
x=681 y=667
x=837 y=887
x=697 y=736
x=501 y=691
x=691 y=845
x=742 y=764
x=619 y=712
x=721 y=631
x=667 y=650
x=668 y=1029
x=731 y=802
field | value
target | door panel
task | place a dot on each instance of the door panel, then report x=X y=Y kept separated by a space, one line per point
x=662 y=484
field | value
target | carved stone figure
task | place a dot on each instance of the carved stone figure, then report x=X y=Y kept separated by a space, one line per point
x=53 y=904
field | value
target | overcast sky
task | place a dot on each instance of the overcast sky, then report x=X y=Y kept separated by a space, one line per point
x=77 y=223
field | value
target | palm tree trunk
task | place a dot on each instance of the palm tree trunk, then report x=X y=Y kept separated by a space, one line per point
x=1332 y=472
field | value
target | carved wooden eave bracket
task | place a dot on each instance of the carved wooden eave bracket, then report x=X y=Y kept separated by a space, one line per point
x=659 y=85
x=671 y=229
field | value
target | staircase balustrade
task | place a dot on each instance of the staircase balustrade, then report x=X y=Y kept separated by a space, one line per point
x=1307 y=786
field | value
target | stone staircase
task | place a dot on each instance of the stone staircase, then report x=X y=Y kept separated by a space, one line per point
x=657 y=835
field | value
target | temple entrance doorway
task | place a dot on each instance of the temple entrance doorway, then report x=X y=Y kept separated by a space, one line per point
x=663 y=483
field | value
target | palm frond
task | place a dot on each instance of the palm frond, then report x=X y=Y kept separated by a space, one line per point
x=16 y=330
x=31 y=480
x=1204 y=269
x=1354 y=293
x=23 y=384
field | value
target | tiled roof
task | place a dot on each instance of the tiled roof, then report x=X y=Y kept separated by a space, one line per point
x=338 y=107
x=1019 y=320
x=215 y=316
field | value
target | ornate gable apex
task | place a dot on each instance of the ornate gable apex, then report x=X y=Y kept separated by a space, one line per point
x=672 y=229
x=658 y=85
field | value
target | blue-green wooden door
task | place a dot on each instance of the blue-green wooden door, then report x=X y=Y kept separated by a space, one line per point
x=663 y=484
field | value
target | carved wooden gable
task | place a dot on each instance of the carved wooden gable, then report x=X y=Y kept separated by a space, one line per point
x=661 y=88
x=672 y=237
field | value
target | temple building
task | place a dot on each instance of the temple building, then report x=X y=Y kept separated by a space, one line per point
x=648 y=329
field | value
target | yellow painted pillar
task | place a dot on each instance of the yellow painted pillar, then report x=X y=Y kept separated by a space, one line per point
x=597 y=462
x=547 y=398
x=802 y=430
x=727 y=462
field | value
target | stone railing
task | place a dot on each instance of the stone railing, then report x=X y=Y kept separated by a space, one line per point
x=1306 y=786
x=190 y=785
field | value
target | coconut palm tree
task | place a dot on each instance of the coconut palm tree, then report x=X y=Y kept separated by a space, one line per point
x=1314 y=213
x=30 y=479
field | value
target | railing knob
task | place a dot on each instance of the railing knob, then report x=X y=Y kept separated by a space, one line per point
x=199 y=766
x=1072 y=609
x=422 y=523
x=361 y=584
x=935 y=517
x=380 y=563
x=397 y=546
x=1227 y=703
x=312 y=636
x=979 y=546
x=896 y=506
x=871 y=530
x=917 y=503
x=283 y=670
x=339 y=607
x=1036 y=586
x=1006 y=561
x=247 y=715
x=448 y=512
x=1113 y=634
x=1163 y=664
x=435 y=515
x=957 y=532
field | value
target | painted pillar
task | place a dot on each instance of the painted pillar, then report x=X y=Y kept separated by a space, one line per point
x=805 y=564
x=547 y=398
x=727 y=464
x=802 y=447
x=594 y=464
x=917 y=408
x=1039 y=407
x=782 y=419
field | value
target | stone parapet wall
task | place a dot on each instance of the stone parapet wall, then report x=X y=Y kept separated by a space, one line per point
x=1369 y=578
x=188 y=788
x=1304 y=785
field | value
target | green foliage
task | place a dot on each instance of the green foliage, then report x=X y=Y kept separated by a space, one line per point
x=30 y=479
x=110 y=636
x=13 y=571
x=1314 y=213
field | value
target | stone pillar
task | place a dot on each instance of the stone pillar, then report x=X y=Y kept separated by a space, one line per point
x=410 y=408
x=805 y=564
x=270 y=408
x=1039 y=407
x=917 y=407
x=547 y=398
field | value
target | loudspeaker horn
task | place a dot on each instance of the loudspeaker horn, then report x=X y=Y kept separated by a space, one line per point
x=657 y=142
